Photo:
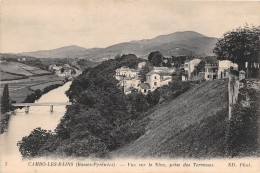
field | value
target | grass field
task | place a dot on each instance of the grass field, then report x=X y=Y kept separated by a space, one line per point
x=21 y=69
x=19 y=89
x=7 y=76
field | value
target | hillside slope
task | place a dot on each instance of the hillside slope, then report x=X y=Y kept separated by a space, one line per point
x=191 y=125
x=63 y=52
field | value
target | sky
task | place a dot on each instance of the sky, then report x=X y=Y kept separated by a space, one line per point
x=30 y=25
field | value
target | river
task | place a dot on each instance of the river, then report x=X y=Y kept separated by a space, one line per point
x=22 y=123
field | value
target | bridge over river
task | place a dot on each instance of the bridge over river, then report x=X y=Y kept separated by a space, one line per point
x=51 y=104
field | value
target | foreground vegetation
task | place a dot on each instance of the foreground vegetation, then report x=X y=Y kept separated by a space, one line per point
x=244 y=125
x=192 y=124
x=102 y=118
x=5 y=108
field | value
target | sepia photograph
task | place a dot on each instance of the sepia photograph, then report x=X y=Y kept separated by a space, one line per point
x=129 y=86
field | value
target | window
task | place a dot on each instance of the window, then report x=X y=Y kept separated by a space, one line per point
x=154 y=77
x=208 y=76
x=144 y=90
x=155 y=83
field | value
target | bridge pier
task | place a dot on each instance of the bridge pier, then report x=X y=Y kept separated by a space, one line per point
x=26 y=109
x=51 y=108
x=27 y=105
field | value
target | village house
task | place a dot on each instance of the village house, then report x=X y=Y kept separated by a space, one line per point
x=189 y=68
x=55 y=67
x=155 y=79
x=164 y=69
x=125 y=72
x=63 y=71
x=211 y=71
x=223 y=67
x=144 y=88
x=66 y=73
x=129 y=79
x=128 y=82
x=141 y=65
x=21 y=59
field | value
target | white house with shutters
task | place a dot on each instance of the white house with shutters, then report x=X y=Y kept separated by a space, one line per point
x=189 y=68
x=125 y=72
x=155 y=79
x=223 y=67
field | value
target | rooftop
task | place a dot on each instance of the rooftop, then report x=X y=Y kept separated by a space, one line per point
x=165 y=74
x=151 y=73
x=168 y=78
x=133 y=70
x=145 y=86
x=160 y=68
x=130 y=89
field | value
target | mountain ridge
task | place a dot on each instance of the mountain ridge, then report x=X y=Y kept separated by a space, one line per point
x=189 y=42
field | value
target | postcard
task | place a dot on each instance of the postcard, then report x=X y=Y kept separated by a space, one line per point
x=129 y=86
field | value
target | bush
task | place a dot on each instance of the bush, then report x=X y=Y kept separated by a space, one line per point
x=243 y=127
x=153 y=98
x=30 y=145
x=175 y=88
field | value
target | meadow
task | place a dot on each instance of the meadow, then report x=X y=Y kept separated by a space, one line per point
x=19 y=89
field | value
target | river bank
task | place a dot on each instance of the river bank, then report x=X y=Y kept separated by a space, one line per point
x=23 y=123
x=31 y=98
x=20 y=89
x=4 y=119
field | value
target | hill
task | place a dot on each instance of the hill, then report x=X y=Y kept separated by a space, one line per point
x=178 y=43
x=191 y=125
x=63 y=52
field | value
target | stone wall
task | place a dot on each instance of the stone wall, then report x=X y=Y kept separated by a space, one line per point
x=233 y=91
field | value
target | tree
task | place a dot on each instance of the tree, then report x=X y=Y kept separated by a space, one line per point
x=146 y=69
x=29 y=146
x=153 y=98
x=199 y=67
x=73 y=71
x=240 y=46
x=168 y=63
x=5 y=102
x=155 y=58
x=62 y=70
x=141 y=104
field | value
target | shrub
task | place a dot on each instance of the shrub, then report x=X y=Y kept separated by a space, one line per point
x=175 y=88
x=243 y=127
x=30 y=145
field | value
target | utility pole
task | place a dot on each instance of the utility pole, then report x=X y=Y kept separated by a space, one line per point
x=247 y=69
x=124 y=83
